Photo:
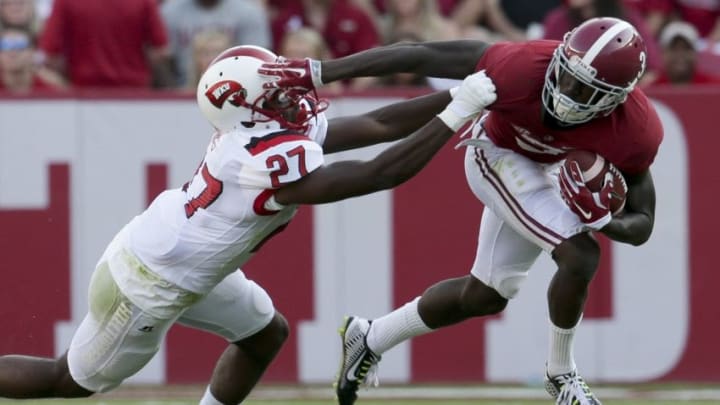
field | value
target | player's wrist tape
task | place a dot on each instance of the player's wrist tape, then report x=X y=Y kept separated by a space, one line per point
x=455 y=115
x=452 y=119
x=600 y=223
x=316 y=72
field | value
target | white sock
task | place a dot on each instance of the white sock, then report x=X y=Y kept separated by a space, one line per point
x=395 y=327
x=209 y=399
x=560 y=357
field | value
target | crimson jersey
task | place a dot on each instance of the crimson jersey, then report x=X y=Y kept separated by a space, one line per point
x=629 y=137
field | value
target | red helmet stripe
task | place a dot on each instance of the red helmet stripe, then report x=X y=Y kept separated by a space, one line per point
x=604 y=39
x=246 y=50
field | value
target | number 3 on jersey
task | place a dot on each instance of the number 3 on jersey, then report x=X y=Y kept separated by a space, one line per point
x=208 y=195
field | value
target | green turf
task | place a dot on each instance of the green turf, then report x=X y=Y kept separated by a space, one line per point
x=361 y=402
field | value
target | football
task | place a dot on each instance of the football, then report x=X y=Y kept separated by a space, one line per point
x=594 y=167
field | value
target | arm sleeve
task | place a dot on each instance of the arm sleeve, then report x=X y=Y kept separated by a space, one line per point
x=512 y=66
x=319 y=129
x=644 y=150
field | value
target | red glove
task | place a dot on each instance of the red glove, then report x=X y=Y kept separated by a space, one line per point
x=593 y=209
x=297 y=75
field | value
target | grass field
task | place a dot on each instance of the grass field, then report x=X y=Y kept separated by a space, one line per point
x=660 y=394
x=360 y=402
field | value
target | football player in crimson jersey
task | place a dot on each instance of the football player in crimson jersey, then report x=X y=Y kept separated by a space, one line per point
x=178 y=260
x=551 y=97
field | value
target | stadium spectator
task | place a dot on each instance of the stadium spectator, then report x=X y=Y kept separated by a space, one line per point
x=19 y=70
x=679 y=41
x=445 y=7
x=110 y=43
x=246 y=22
x=703 y=14
x=346 y=28
x=573 y=12
x=485 y=20
x=528 y=15
x=552 y=97
x=205 y=46
x=307 y=43
x=19 y=14
x=654 y=12
x=418 y=17
x=42 y=8
x=304 y=43
x=177 y=262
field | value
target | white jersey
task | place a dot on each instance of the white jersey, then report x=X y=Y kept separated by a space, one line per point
x=196 y=235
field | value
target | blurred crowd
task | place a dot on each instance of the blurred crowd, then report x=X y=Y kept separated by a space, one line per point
x=166 y=44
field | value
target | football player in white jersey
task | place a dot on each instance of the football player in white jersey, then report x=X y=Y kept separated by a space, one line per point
x=179 y=260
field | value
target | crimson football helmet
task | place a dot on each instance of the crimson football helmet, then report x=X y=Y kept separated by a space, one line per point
x=231 y=94
x=605 y=54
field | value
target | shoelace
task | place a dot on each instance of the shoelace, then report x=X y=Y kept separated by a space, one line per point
x=369 y=371
x=572 y=384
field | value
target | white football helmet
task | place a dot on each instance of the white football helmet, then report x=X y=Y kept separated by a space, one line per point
x=231 y=94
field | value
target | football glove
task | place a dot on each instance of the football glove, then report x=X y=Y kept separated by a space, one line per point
x=475 y=93
x=593 y=208
x=296 y=75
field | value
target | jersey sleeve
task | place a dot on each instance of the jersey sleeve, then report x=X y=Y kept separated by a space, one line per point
x=516 y=69
x=641 y=149
x=318 y=128
x=279 y=159
x=644 y=150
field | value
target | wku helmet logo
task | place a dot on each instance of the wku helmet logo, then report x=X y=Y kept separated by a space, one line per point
x=228 y=90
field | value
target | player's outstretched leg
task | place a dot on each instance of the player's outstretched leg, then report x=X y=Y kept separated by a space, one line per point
x=243 y=363
x=23 y=377
x=358 y=363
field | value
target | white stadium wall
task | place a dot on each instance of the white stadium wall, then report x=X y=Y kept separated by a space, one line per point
x=74 y=170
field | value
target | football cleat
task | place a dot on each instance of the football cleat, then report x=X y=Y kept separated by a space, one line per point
x=570 y=389
x=358 y=364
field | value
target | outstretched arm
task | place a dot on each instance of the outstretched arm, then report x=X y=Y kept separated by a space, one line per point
x=385 y=124
x=396 y=164
x=449 y=59
x=635 y=225
x=341 y=180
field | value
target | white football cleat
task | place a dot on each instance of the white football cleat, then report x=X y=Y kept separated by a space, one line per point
x=570 y=389
x=358 y=364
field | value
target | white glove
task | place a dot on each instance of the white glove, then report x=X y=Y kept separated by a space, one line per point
x=475 y=93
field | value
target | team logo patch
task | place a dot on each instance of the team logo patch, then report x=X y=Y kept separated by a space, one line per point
x=226 y=90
